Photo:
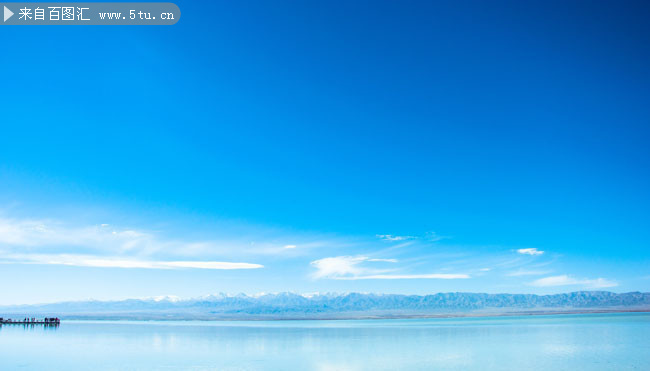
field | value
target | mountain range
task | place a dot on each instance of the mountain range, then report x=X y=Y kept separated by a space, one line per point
x=334 y=306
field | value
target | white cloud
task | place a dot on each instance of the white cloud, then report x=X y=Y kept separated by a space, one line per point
x=554 y=281
x=433 y=237
x=47 y=235
x=390 y=237
x=40 y=233
x=33 y=241
x=209 y=265
x=350 y=268
x=21 y=235
x=338 y=266
x=118 y=262
x=441 y=276
x=522 y=272
x=601 y=283
x=530 y=251
x=428 y=236
x=565 y=280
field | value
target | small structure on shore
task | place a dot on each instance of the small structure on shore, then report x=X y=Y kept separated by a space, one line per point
x=47 y=321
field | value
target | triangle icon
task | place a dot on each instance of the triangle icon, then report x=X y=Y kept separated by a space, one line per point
x=8 y=13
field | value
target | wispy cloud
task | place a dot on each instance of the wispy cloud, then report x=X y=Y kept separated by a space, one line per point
x=428 y=236
x=523 y=272
x=351 y=268
x=565 y=280
x=117 y=262
x=34 y=241
x=433 y=237
x=441 y=276
x=530 y=251
x=47 y=235
x=390 y=237
x=39 y=233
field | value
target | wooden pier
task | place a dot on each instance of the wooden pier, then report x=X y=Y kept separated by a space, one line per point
x=28 y=321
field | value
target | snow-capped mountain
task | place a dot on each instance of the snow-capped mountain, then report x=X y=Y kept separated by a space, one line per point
x=315 y=305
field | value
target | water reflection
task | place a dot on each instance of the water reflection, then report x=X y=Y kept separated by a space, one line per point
x=31 y=326
x=597 y=342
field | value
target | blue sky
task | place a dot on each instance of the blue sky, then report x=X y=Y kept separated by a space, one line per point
x=407 y=147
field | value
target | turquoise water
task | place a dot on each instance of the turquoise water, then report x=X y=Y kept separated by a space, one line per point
x=567 y=342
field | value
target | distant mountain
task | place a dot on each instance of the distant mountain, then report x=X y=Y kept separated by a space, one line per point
x=320 y=306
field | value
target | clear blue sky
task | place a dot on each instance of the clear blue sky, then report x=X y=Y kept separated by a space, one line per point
x=408 y=147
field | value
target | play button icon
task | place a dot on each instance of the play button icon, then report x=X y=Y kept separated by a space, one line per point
x=8 y=13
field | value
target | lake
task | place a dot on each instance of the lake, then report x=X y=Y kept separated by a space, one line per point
x=618 y=341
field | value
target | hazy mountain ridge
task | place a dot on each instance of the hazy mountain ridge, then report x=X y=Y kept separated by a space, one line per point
x=353 y=305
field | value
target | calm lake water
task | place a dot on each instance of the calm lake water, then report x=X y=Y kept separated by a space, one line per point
x=566 y=342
